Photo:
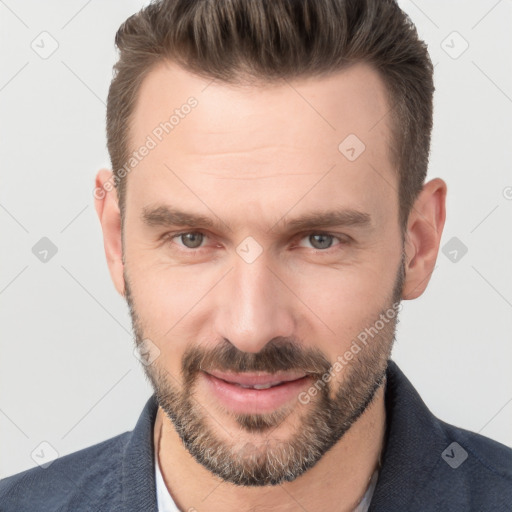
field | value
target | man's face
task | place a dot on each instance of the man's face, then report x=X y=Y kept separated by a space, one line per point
x=254 y=298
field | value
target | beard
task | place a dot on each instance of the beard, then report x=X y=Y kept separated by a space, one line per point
x=318 y=425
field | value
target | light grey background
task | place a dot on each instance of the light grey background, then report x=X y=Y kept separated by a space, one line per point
x=68 y=376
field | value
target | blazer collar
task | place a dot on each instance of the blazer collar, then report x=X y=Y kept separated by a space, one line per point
x=413 y=446
x=414 y=443
x=138 y=471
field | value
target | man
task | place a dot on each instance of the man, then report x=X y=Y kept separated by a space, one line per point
x=267 y=214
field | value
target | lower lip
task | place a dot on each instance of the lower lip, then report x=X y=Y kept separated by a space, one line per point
x=244 y=400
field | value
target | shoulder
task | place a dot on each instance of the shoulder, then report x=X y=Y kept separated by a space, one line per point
x=93 y=472
x=473 y=472
x=430 y=465
x=493 y=459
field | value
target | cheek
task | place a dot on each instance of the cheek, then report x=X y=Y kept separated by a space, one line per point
x=349 y=290
x=345 y=302
x=165 y=301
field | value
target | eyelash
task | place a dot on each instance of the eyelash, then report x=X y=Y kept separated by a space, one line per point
x=342 y=239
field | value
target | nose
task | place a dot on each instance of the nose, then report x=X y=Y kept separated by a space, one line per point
x=254 y=306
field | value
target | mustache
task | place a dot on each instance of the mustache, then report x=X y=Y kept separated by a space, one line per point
x=280 y=354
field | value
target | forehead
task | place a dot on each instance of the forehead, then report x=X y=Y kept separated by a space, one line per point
x=258 y=139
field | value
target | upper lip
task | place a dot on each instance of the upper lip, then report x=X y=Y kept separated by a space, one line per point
x=257 y=378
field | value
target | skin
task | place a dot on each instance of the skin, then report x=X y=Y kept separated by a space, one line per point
x=252 y=156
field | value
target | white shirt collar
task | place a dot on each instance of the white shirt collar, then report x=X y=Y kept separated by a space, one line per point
x=164 y=500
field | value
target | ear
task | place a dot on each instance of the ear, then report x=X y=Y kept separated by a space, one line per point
x=423 y=236
x=107 y=208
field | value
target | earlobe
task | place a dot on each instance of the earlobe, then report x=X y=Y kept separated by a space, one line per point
x=423 y=236
x=107 y=208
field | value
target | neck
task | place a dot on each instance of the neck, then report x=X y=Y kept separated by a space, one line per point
x=341 y=476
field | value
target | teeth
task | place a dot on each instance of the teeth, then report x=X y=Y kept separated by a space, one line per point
x=262 y=386
x=259 y=386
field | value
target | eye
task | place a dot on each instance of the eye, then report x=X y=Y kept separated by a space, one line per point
x=322 y=241
x=190 y=239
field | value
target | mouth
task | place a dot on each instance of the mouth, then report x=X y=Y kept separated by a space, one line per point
x=257 y=392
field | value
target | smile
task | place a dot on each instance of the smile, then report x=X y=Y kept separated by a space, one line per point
x=255 y=392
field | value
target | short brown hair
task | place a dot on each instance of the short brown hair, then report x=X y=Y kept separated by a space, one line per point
x=269 y=40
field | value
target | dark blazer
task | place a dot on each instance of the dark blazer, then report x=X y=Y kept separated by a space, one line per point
x=427 y=465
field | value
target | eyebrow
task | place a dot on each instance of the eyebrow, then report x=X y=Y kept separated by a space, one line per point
x=165 y=216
